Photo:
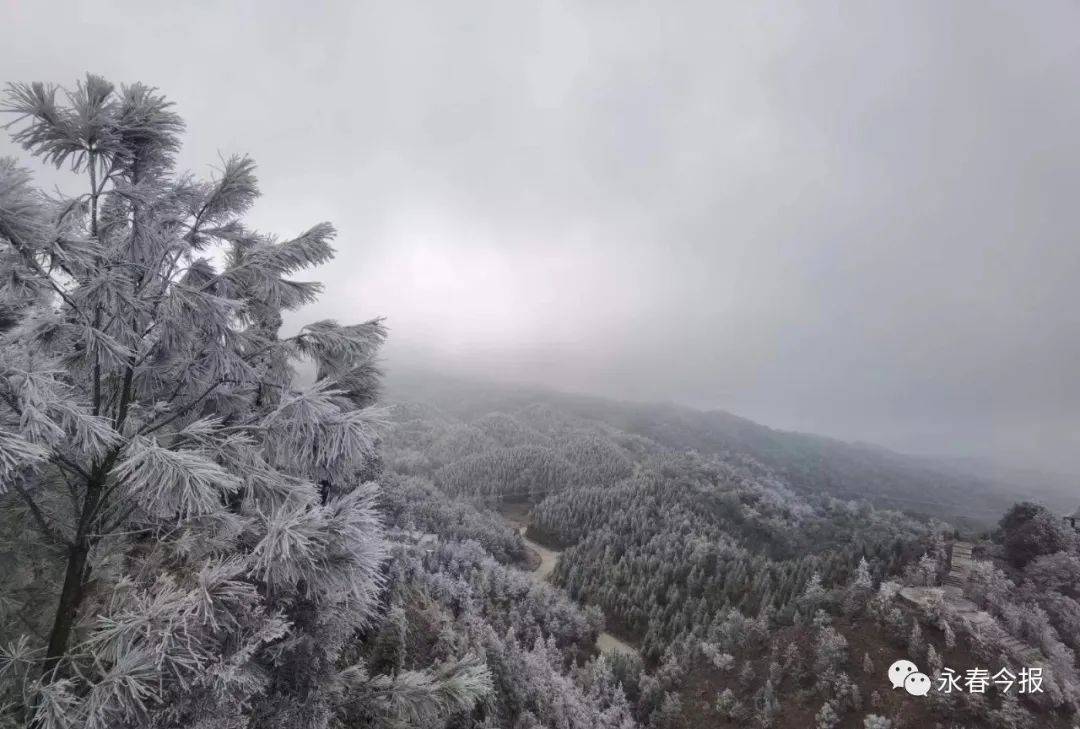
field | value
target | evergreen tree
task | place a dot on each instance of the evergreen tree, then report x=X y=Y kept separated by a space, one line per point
x=860 y=590
x=826 y=718
x=950 y=634
x=873 y=721
x=1030 y=530
x=933 y=659
x=206 y=533
x=768 y=705
x=915 y=640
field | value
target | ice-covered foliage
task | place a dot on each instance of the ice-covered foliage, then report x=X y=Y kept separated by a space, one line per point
x=782 y=607
x=189 y=540
x=451 y=599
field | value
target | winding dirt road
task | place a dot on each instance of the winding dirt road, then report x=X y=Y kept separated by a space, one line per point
x=605 y=642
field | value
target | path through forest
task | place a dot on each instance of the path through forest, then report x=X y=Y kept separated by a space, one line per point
x=605 y=642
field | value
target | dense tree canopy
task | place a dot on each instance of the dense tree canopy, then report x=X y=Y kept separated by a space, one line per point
x=1031 y=530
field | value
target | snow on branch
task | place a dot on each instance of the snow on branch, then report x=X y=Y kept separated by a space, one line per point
x=16 y=454
x=175 y=483
x=319 y=429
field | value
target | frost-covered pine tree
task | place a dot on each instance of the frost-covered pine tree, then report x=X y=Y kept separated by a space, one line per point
x=188 y=538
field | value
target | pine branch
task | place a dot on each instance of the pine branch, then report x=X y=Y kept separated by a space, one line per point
x=39 y=517
x=103 y=500
x=61 y=460
x=108 y=530
x=9 y=398
x=151 y=427
x=28 y=258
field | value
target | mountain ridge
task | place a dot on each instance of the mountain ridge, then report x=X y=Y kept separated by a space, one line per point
x=931 y=487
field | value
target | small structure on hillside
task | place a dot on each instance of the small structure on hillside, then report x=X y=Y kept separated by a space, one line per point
x=975 y=621
x=961 y=564
x=1073 y=519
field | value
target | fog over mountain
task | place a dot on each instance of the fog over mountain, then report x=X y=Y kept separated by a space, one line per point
x=855 y=220
x=503 y=365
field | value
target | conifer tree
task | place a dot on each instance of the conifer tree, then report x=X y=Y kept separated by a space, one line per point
x=205 y=544
x=826 y=718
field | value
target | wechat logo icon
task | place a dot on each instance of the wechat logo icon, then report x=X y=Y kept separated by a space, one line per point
x=905 y=674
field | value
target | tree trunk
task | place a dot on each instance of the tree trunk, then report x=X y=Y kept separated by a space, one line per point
x=72 y=593
x=68 y=608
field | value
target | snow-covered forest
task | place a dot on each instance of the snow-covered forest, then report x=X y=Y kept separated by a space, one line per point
x=749 y=603
x=196 y=533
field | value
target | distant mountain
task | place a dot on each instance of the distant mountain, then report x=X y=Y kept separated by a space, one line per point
x=1059 y=491
x=966 y=492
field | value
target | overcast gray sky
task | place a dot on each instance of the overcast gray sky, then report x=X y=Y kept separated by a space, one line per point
x=857 y=219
